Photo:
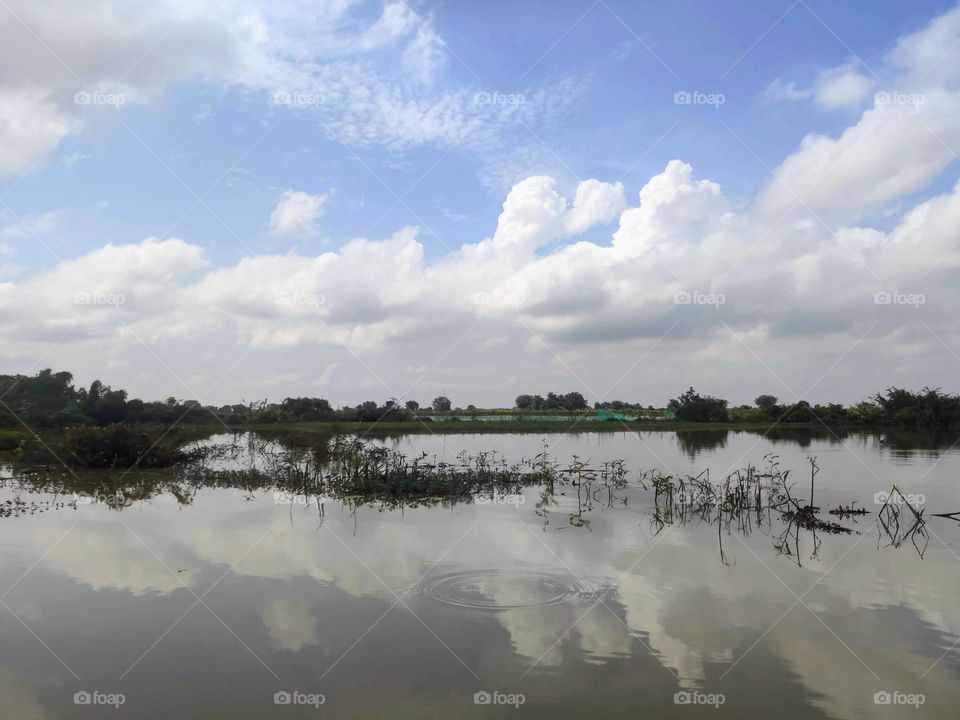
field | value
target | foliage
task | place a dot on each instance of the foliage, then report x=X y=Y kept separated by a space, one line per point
x=553 y=401
x=9 y=439
x=116 y=446
x=47 y=400
x=441 y=404
x=928 y=408
x=692 y=407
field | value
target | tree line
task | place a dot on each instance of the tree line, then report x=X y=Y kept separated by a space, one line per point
x=929 y=407
x=50 y=399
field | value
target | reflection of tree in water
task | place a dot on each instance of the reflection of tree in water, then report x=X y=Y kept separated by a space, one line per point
x=693 y=442
x=906 y=443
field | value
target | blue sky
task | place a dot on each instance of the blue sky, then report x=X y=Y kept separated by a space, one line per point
x=428 y=118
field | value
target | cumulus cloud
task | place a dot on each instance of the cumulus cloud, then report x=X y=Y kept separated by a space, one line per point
x=683 y=240
x=101 y=290
x=297 y=213
x=802 y=260
x=595 y=203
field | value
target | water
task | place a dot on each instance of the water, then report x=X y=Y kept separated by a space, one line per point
x=209 y=609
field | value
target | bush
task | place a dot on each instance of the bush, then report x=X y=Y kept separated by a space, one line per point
x=115 y=446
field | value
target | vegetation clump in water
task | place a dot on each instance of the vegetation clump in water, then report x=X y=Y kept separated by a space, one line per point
x=114 y=446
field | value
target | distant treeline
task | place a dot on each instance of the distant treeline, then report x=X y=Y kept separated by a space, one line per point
x=50 y=399
x=570 y=401
x=929 y=407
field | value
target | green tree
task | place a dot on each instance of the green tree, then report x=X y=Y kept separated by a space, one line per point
x=574 y=401
x=766 y=402
x=692 y=407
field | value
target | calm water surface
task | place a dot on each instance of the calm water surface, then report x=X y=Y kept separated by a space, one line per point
x=209 y=608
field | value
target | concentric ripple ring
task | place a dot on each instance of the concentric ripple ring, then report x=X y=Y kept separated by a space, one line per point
x=496 y=590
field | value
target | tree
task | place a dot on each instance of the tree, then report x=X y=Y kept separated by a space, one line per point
x=306 y=409
x=103 y=404
x=412 y=405
x=524 y=402
x=574 y=401
x=441 y=404
x=766 y=402
x=691 y=407
x=369 y=412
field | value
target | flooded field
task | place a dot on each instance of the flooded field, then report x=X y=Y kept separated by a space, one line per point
x=597 y=597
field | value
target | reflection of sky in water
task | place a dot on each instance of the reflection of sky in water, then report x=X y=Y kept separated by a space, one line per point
x=610 y=617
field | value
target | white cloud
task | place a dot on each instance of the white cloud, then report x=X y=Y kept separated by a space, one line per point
x=32 y=226
x=842 y=87
x=899 y=145
x=684 y=236
x=932 y=54
x=801 y=261
x=297 y=212
x=785 y=91
x=595 y=203
x=368 y=81
x=39 y=102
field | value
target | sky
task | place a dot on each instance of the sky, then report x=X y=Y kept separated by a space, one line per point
x=236 y=200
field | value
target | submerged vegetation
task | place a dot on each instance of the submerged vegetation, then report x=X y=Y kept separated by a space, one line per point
x=115 y=446
x=357 y=473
